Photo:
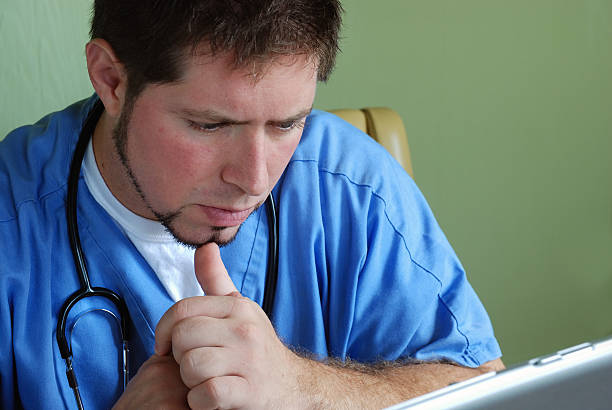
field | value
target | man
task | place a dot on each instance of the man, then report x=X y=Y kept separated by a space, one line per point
x=206 y=110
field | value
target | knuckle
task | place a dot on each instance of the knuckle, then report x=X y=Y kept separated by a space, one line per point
x=182 y=309
x=177 y=341
x=209 y=395
x=246 y=331
x=214 y=390
x=180 y=331
x=241 y=306
x=189 y=368
x=198 y=365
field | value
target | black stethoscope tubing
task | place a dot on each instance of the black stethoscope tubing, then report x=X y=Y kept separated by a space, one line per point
x=86 y=290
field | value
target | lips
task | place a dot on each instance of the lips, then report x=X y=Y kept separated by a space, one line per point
x=225 y=217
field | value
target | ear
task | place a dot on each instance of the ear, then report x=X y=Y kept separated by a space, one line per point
x=107 y=75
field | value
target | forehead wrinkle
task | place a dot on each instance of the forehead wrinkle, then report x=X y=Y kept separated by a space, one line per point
x=214 y=116
x=206 y=114
x=202 y=93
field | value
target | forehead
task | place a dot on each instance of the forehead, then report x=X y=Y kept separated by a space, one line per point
x=276 y=88
x=253 y=69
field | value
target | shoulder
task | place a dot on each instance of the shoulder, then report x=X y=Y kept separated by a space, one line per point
x=35 y=159
x=346 y=165
x=339 y=147
x=379 y=236
x=340 y=151
x=372 y=233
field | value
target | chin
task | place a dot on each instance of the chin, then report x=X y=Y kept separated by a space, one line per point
x=220 y=236
x=226 y=236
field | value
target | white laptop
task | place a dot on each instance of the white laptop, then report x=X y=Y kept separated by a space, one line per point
x=576 y=378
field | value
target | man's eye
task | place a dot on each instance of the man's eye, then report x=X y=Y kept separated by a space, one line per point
x=206 y=127
x=289 y=125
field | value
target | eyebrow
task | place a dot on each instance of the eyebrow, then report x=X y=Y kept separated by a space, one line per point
x=215 y=117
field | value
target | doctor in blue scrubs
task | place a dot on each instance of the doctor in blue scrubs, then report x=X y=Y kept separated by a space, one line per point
x=205 y=108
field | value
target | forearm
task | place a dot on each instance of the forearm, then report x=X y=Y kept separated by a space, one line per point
x=351 y=385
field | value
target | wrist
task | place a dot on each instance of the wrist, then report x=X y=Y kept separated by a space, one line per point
x=319 y=385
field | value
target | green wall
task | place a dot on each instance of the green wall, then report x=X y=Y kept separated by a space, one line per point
x=42 y=58
x=507 y=107
x=506 y=104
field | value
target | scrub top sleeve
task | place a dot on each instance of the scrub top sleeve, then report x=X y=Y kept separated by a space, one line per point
x=412 y=298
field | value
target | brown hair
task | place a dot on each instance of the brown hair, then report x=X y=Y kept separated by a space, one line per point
x=152 y=38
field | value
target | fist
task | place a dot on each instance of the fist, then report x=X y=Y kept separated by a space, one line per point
x=227 y=350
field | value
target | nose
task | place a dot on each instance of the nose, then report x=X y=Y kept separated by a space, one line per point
x=247 y=166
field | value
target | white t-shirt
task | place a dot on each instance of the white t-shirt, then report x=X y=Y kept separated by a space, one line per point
x=171 y=261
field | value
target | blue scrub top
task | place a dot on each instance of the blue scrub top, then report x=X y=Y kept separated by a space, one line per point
x=365 y=271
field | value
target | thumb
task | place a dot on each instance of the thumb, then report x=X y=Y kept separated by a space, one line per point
x=211 y=273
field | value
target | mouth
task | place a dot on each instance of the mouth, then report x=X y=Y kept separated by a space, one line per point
x=220 y=217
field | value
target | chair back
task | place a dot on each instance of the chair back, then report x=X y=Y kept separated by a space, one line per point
x=385 y=126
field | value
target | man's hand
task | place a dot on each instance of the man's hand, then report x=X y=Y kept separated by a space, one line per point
x=157 y=385
x=230 y=357
x=227 y=349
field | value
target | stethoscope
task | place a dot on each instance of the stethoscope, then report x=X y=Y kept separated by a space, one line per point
x=86 y=290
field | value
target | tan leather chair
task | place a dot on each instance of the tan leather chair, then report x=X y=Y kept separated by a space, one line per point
x=385 y=126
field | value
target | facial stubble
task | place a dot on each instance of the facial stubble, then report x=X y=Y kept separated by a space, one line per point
x=167 y=219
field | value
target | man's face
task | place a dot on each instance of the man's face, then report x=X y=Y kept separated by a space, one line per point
x=203 y=153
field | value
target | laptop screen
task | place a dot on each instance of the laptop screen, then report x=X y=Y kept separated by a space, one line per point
x=576 y=378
